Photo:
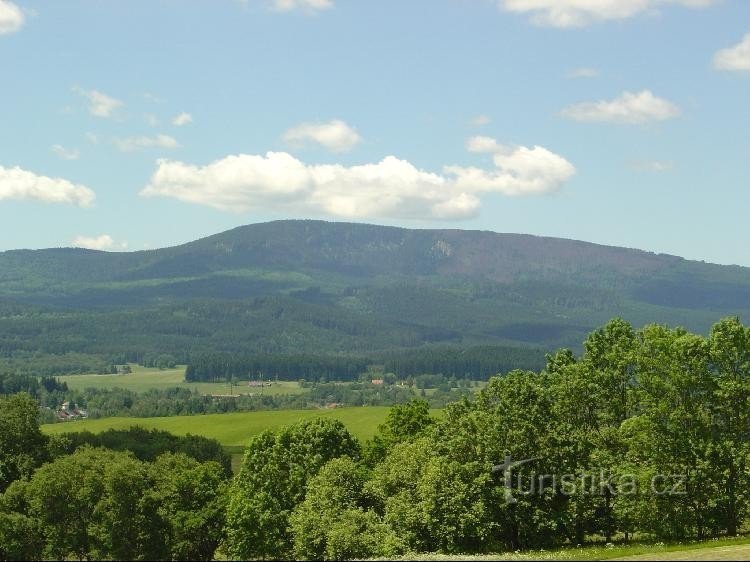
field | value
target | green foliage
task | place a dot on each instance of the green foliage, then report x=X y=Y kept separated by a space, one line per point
x=333 y=522
x=404 y=422
x=23 y=447
x=191 y=498
x=342 y=293
x=20 y=537
x=662 y=410
x=148 y=444
x=100 y=504
x=273 y=480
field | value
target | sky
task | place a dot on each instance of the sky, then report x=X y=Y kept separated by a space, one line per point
x=137 y=124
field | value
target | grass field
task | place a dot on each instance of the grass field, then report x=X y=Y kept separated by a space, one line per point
x=143 y=379
x=235 y=429
x=721 y=549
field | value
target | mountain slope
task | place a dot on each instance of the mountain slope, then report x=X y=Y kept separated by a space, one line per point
x=323 y=287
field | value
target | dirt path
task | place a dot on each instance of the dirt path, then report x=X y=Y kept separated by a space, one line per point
x=738 y=552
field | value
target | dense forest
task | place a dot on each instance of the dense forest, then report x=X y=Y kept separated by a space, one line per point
x=471 y=363
x=644 y=434
x=293 y=288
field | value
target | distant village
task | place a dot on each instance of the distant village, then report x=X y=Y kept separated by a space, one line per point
x=70 y=411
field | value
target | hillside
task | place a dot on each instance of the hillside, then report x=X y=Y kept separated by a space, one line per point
x=318 y=287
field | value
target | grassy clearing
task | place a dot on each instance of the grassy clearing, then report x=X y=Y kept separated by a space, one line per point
x=235 y=429
x=143 y=379
x=718 y=549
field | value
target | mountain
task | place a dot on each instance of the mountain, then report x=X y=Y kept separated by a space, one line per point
x=320 y=287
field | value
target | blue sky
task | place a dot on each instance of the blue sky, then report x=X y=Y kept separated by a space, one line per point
x=143 y=123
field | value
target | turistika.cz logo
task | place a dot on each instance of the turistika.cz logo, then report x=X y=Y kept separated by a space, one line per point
x=516 y=483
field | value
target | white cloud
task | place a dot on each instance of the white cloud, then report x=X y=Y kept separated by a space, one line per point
x=151 y=119
x=482 y=144
x=734 y=58
x=305 y=5
x=19 y=184
x=580 y=13
x=480 y=121
x=390 y=188
x=100 y=105
x=583 y=72
x=103 y=242
x=182 y=119
x=66 y=153
x=334 y=135
x=11 y=17
x=518 y=171
x=628 y=108
x=132 y=144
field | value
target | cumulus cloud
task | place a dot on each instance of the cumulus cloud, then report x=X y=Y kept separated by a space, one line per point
x=100 y=105
x=736 y=58
x=66 y=153
x=580 y=13
x=334 y=135
x=305 y=5
x=482 y=144
x=182 y=119
x=628 y=108
x=518 y=171
x=390 y=188
x=103 y=242
x=19 y=184
x=11 y=17
x=131 y=144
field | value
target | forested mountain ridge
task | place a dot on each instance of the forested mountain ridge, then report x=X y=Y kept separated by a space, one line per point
x=344 y=248
x=342 y=288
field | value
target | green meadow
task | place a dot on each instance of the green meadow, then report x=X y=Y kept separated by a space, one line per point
x=235 y=429
x=143 y=379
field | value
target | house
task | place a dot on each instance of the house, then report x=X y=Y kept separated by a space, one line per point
x=70 y=411
x=377 y=382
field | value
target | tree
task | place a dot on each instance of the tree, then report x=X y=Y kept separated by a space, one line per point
x=729 y=344
x=333 y=522
x=190 y=497
x=404 y=422
x=273 y=481
x=671 y=435
x=23 y=447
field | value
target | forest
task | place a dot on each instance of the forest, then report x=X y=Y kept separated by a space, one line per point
x=448 y=301
x=654 y=421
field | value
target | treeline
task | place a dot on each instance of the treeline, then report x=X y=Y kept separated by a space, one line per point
x=223 y=367
x=47 y=390
x=148 y=445
x=104 y=403
x=472 y=363
x=38 y=363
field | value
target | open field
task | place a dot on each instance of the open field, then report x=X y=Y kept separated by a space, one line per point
x=720 y=549
x=143 y=379
x=235 y=429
